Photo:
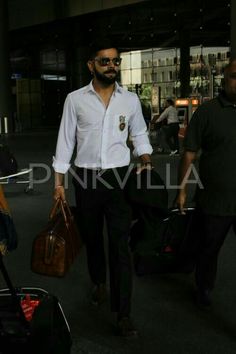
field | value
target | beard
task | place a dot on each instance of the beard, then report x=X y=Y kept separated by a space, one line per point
x=106 y=80
x=230 y=94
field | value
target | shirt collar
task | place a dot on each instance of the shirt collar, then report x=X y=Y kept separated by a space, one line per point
x=90 y=88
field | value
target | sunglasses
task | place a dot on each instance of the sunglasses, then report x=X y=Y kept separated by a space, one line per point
x=103 y=61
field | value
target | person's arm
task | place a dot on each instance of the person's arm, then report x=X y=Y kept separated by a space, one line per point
x=184 y=171
x=59 y=190
x=163 y=115
x=154 y=118
x=146 y=163
x=65 y=147
x=141 y=143
x=139 y=135
x=193 y=141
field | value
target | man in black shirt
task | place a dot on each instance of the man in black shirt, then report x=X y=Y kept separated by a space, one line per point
x=212 y=131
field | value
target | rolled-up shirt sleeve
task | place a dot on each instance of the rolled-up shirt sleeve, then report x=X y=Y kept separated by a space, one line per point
x=138 y=132
x=66 y=138
x=163 y=116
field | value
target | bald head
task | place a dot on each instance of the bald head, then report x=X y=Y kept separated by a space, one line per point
x=229 y=67
x=230 y=80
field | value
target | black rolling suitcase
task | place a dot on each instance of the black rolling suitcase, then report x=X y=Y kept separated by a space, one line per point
x=31 y=321
x=174 y=248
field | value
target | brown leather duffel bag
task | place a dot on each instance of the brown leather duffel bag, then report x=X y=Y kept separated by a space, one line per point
x=55 y=248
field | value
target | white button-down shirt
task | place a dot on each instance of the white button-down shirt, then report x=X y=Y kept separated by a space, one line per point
x=100 y=133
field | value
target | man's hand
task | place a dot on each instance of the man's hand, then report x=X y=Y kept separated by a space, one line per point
x=180 y=201
x=145 y=166
x=59 y=193
x=184 y=171
x=146 y=163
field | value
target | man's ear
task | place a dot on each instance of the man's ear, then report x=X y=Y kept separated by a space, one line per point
x=90 y=66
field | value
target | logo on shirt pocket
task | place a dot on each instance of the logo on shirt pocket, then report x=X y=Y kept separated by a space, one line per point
x=122 y=124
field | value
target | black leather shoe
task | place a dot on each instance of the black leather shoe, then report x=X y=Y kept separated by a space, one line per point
x=125 y=328
x=99 y=295
x=203 y=297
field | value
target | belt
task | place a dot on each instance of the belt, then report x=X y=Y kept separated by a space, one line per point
x=99 y=171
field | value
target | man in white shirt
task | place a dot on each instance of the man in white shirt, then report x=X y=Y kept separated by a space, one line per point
x=171 y=130
x=97 y=120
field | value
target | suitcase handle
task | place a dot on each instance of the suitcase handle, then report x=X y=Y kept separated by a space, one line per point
x=14 y=296
x=176 y=210
x=6 y=278
x=173 y=211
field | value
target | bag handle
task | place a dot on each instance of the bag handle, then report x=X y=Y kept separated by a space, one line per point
x=68 y=217
x=64 y=207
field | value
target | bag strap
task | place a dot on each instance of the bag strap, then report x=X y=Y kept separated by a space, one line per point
x=62 y=206
x=54 y=209
x=66 y=209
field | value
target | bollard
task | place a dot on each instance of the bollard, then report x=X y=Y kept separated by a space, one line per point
x=5 y=125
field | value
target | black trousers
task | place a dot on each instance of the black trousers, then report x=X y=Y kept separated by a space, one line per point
x=96 y=203
x=171 y=133
x=214 y=232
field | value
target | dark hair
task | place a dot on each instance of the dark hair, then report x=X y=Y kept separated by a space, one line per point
x=100 y=44
x=170 y=101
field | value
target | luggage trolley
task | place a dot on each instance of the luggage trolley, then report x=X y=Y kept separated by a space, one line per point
x=20 y=178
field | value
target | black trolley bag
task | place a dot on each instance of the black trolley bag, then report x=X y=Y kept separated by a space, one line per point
x=173 y=247
x=31 y=321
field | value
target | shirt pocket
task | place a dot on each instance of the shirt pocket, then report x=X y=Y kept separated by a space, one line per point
x=88 y=123
x=120 y=125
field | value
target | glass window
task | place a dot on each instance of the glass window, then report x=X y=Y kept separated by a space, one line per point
x=161 y=66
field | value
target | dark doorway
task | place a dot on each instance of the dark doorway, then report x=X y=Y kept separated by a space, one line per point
x=53 y=96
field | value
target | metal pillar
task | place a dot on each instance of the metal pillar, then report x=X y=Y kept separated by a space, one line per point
x=5 y=86
x=233 y=29
x=184 y=72
x=77 y=63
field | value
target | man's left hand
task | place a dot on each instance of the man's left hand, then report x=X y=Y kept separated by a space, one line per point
x=145 y=166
